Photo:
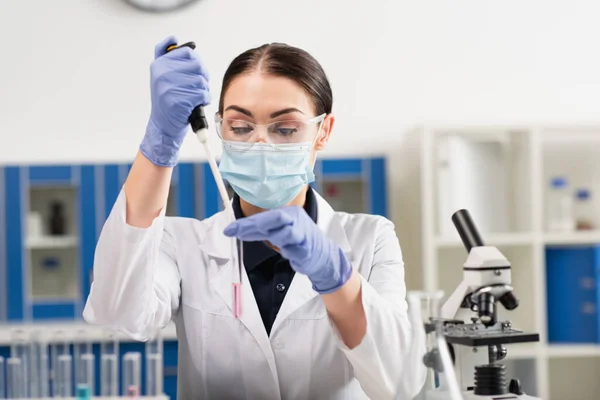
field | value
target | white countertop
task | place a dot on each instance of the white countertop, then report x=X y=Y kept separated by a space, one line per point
x=74 y=331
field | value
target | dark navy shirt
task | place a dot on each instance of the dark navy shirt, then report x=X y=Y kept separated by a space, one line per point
x=270 y=275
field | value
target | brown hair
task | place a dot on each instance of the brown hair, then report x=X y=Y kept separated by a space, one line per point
x=285 y=61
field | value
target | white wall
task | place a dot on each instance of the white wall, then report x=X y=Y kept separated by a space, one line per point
x=74 y=73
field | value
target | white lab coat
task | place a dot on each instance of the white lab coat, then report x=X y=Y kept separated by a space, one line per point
x=180 y=269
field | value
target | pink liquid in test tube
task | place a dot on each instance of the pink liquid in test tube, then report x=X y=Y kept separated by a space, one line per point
x=132 y=391
x=237 y=286
x=237 y=300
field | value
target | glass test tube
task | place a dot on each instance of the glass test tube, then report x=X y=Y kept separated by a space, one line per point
x=38 y=366
x=43 y=358
x=64 y=376
x=60 y=353
x=132 y=374
x=19 y=349
x=237 y=278
x=84 y=362
x=109 y=365
x=15 y=379
x=33 y=378
x=83 y=393
x=424 y=310
x=2 y=379
x=154 y=366
x=85 y=372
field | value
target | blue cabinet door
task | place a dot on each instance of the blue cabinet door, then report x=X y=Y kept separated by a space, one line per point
x=355 y=185
x=3 y=277
x=182 y=196
x=573 y=293
x=14 y=184
x=210 y=202
x=51 y=217
x=170 y=371
x=378 y=186
x=89 y=212
x=184 y=186
x=112 y=178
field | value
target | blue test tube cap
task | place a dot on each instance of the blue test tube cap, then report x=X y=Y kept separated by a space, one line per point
x=583 y=194
x=83 y=392
x=559 y=182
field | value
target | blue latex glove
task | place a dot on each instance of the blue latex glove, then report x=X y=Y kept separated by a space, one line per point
x=178 y=83
x=300 y=241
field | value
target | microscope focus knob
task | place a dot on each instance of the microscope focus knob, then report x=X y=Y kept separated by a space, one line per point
x=509 y=301
x=515 y=387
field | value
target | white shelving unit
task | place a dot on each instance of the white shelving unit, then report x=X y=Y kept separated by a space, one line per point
x=53 y=260
x=52 y=242
x=503 y=185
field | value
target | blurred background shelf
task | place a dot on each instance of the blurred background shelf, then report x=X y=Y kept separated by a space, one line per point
x=51 y=242
x=572 y=238
x=495 y=239
x=523 y=351
x=503 y=175
x=570 y=351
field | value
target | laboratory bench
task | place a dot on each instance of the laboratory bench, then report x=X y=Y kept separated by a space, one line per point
x=51 y=217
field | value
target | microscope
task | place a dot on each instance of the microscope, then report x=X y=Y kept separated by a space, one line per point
x=469 y=321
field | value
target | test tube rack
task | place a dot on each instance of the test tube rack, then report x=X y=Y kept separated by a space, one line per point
x=163 y=397
x=41 y=365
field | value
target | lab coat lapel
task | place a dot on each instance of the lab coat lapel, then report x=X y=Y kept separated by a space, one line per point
x=301 y=291
x=222 y=262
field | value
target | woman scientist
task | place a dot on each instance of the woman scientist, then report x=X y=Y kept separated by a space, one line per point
x=324 y=309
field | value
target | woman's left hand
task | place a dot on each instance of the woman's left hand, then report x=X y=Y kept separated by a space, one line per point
x=300 y=241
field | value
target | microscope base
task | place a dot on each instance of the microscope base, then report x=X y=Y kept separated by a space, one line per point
x=444 y=395
x=509 y=396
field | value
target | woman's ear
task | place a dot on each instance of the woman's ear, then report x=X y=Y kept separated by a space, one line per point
x=326 y=128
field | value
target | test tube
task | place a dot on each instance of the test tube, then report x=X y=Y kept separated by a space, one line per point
x=109 y=365
x=19 y=349
x=64 y=376
x=237 y=278
x=83 y=393
x=43 y=369
x=33 y=378
x=2 y=379
x=61 y=360
x=15 y=379
x=38 y=366
x=84 y=362
x=424 y=310
x=154 y=366
x=132 y=374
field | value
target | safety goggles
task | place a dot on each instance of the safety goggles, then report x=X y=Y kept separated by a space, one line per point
x=279 y=132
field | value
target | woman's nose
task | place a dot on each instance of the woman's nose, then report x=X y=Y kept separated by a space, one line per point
x=261 y=136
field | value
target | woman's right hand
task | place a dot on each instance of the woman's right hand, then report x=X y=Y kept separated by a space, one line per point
x=178 y=83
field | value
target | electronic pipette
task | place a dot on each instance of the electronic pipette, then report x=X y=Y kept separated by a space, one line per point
x=200 y=127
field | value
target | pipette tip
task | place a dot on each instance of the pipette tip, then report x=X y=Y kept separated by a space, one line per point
x=237 y=300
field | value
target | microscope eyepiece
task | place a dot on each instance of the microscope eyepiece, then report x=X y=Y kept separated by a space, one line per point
x=466 y=229
x=509 y=301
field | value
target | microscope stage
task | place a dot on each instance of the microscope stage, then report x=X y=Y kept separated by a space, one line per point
x=478 y=335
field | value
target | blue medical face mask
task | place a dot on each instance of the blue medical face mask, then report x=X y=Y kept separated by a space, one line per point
x=266 y=175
